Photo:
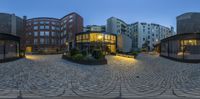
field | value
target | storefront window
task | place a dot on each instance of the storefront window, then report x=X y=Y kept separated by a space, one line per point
x=1 y=49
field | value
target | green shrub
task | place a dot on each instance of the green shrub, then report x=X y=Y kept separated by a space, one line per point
x=98 y=54
x=134 y=53
x=74 y=52
x=84 y=52
x=89 y=57
x=78 y=57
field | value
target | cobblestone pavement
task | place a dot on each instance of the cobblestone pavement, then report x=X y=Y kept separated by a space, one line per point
x=149 y=76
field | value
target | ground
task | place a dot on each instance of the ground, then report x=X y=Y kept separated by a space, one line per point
x=148 y=76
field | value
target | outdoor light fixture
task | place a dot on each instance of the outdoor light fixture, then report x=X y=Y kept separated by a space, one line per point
x=67 y=43
x=100 y=37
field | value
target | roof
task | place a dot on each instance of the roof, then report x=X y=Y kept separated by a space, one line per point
x=5 y=36
x=95 y=32
x=183 y=36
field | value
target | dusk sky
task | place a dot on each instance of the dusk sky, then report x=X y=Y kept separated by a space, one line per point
x=96 y=12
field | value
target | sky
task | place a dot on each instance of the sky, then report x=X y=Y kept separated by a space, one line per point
x=96 y=12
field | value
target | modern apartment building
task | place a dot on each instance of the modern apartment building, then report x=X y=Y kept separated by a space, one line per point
x=97 y=28
x=52 y=35
x=116 y=26
x=148 y=34
x=120 y=28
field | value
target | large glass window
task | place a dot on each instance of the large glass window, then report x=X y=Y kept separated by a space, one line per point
x=11 y=49
x=47 y=33
x=41 y=27
x=53 y=27
x=96 y=37
x=1 y=49
x=46 y=27
x=41 y=33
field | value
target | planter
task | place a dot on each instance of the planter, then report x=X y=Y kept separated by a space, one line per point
x=9 y=59
x=126 y=55
x=86 y=62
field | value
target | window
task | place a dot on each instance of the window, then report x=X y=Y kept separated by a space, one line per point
x=143 y=39
x=35 y=23
x=46 y=41
x=53 y=27
x=35 y=27
x=46 y=27
x=53 y=23
x=71 y=16
x=70 y=20
x=35 y=41
x=47 y=33
x=41 y=22
x=47 y=22
x=35 y=33
x=41 y=27
x=57 y=28
x=41 y=33
x=41 y=40
x=53 y=34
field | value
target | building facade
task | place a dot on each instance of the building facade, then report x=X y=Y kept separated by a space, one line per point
x=116 y=26
x=52 y=35
x=96 y=40
x=146 y=35
x=124 y=43
x=182 y=47
x=95 y=28
x=43 y=35
x=11 y=27
x=185 y=46
x=71 y=24
x=188 y=23
x=11 y=24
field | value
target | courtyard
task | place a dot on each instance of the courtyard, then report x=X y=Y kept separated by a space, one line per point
x=148 y=76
